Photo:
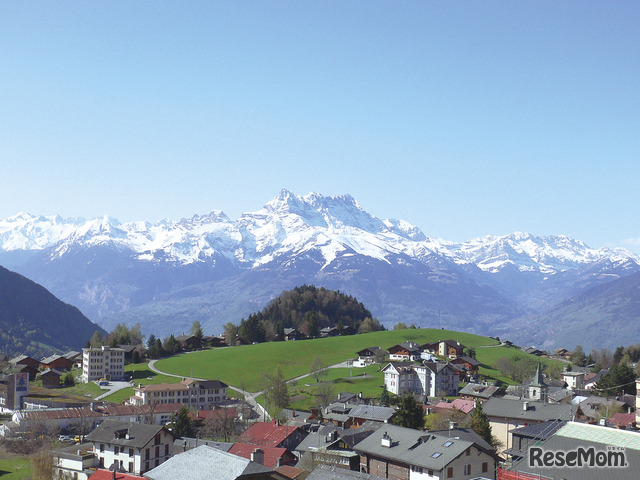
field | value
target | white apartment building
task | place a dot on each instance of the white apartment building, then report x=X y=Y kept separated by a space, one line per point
x=134 y=447
x=428 y=379
x=102 y=362
x=191 y=393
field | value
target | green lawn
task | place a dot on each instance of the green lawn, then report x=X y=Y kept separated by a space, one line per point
x=15 y=468
x=141 y=374
x=489 y=357
x=246 y=366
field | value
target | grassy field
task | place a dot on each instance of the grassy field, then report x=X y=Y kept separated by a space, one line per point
x=367 y=380
x=246 y=366
x=489 y=357
x=141 y=374
x=13 y=467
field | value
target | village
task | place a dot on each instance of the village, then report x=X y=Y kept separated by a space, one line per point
x=436 y=416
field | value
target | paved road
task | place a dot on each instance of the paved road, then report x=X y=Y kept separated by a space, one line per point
x=112 y=388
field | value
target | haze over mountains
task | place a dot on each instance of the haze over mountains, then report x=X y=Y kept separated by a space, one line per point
x=213 y=269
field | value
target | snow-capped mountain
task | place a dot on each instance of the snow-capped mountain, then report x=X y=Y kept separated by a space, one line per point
x=215 y=269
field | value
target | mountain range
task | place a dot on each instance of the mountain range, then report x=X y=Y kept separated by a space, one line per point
x=210 y=268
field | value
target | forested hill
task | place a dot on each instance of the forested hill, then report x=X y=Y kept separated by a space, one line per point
x=34 y=322
x=307 y=309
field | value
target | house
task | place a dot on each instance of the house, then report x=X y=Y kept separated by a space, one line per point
x=291 y=334
x=459 y=404
x=196 y=394
x=395 y=452
x=74 y=356
x=207 y=463
x=24 y=364
x=506 y=414
x=445 y=348
x=50 y=378
x=75 y=461
x=272 y=434
x=128 y=351
x=329 y=332
x=155 y=414
x=591 y=379
x=189 y=342
x=573 y=436
x=102 y=362
x=332 y=472
x=331 y=445
x=429 y=379
x=367 y=356
x=133 y=447
x=272 y=457
x=58 y=362
x=102 y=474
x=594 y=408
x=622 y=420
x=574 y=380
x=348 y=330
x=470 y=365
x=406 y=351
x=533 y=351
x=181 y=445
x=525 y=437
x=25 y=360
x=373 y=413
x=478 y=391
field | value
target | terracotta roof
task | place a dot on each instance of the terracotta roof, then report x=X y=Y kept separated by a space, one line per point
x=289 y=472
x=464 y=406
x=266 y=434
x=57 y=413
x=271 y=454
x=108 y=475
x=621 y=419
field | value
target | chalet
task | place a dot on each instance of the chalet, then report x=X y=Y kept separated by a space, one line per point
x=329 y=332
x=272 y=457
x=445 y=348
x=272 y=434
x=372 y=413
x=133 y=447
x=594 y=408
x=534 y=351
x=128 y=351
x=50 y=378
x=189 y=342
x=396 y=453
x=58 y=362
x=476 y=391
x=367 y=356
x=348 y=330
x=291 y=334
x=469 y=364
x=458 y=404
x=24 y=364
x=408 y=351
x=74 y=356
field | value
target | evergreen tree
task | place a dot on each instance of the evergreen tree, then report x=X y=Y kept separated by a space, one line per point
x=385 y=399
x=151 y=341
x=183 y=426
x=480 y=423
x=409 y=413
x=620 y=379
x=578 y=357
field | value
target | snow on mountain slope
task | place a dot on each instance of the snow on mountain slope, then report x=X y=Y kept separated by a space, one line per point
x=291 y=224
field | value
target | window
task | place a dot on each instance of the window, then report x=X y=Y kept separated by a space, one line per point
x=447 y=444
x=450 y=472
x=157 y=451
x=485 y=467
x=166 y=449
x=468 y=452
x=436 y=454
x=467 y=469
x=102 y=447
x=130 y=467
x=116 y=450
x=131 y=452
x=156 y=441
x=146 y=454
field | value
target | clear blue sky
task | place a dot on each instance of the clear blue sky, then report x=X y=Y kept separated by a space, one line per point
x=463 y=118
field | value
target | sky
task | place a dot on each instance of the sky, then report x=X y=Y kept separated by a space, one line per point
x=462 y=118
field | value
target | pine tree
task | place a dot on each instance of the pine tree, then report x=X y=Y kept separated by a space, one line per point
x=480 y=423
x=385 y=399
x=183 y=426
x=409 y=413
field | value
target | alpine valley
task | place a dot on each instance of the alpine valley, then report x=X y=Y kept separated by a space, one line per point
x=547 y=291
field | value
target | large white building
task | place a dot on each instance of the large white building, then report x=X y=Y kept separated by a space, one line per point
x=102 y=362
x=191 y=393
x=429 y=379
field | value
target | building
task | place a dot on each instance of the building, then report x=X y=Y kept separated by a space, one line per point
x=192 y=393
x=367 y=356
x=59 y=362
x=51 y=378
x=574 y=380
x=429 y=379
x=399 y=453
x=272 y=434
x=406 y=351
x=623 y=444
x=207 y=463
x=525 y=437
x=102 y=362
x=445 y=348
x=133 y=447
x=74 y=461
x=507 y=414
x=478 y=391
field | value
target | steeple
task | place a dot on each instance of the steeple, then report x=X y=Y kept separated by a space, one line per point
x=538 y=379
x=537 y=388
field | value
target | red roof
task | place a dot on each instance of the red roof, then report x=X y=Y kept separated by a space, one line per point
x=119 y=409
x=266 y=434
x=108 y=475
x=271 y=454
x=623 y=419
x=289 y=472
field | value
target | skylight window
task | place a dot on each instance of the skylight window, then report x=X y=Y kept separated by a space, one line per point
x=448 y=443
x=436 y=454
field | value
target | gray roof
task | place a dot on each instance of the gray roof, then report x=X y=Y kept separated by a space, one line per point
x=114 y=432
x=205 y=463
x=541 y=431
x=372 y=412
x=188 y=443
x=591 y=405
x=574 y=435
x=413 y=447
x=536 y=411
x=478 y=390
x=331 y=472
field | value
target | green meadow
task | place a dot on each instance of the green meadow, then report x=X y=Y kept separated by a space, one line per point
x=246 y=366
x=15 y=468
x=141 y=374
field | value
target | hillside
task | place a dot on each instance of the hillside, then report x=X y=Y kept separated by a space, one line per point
x=34 y=322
